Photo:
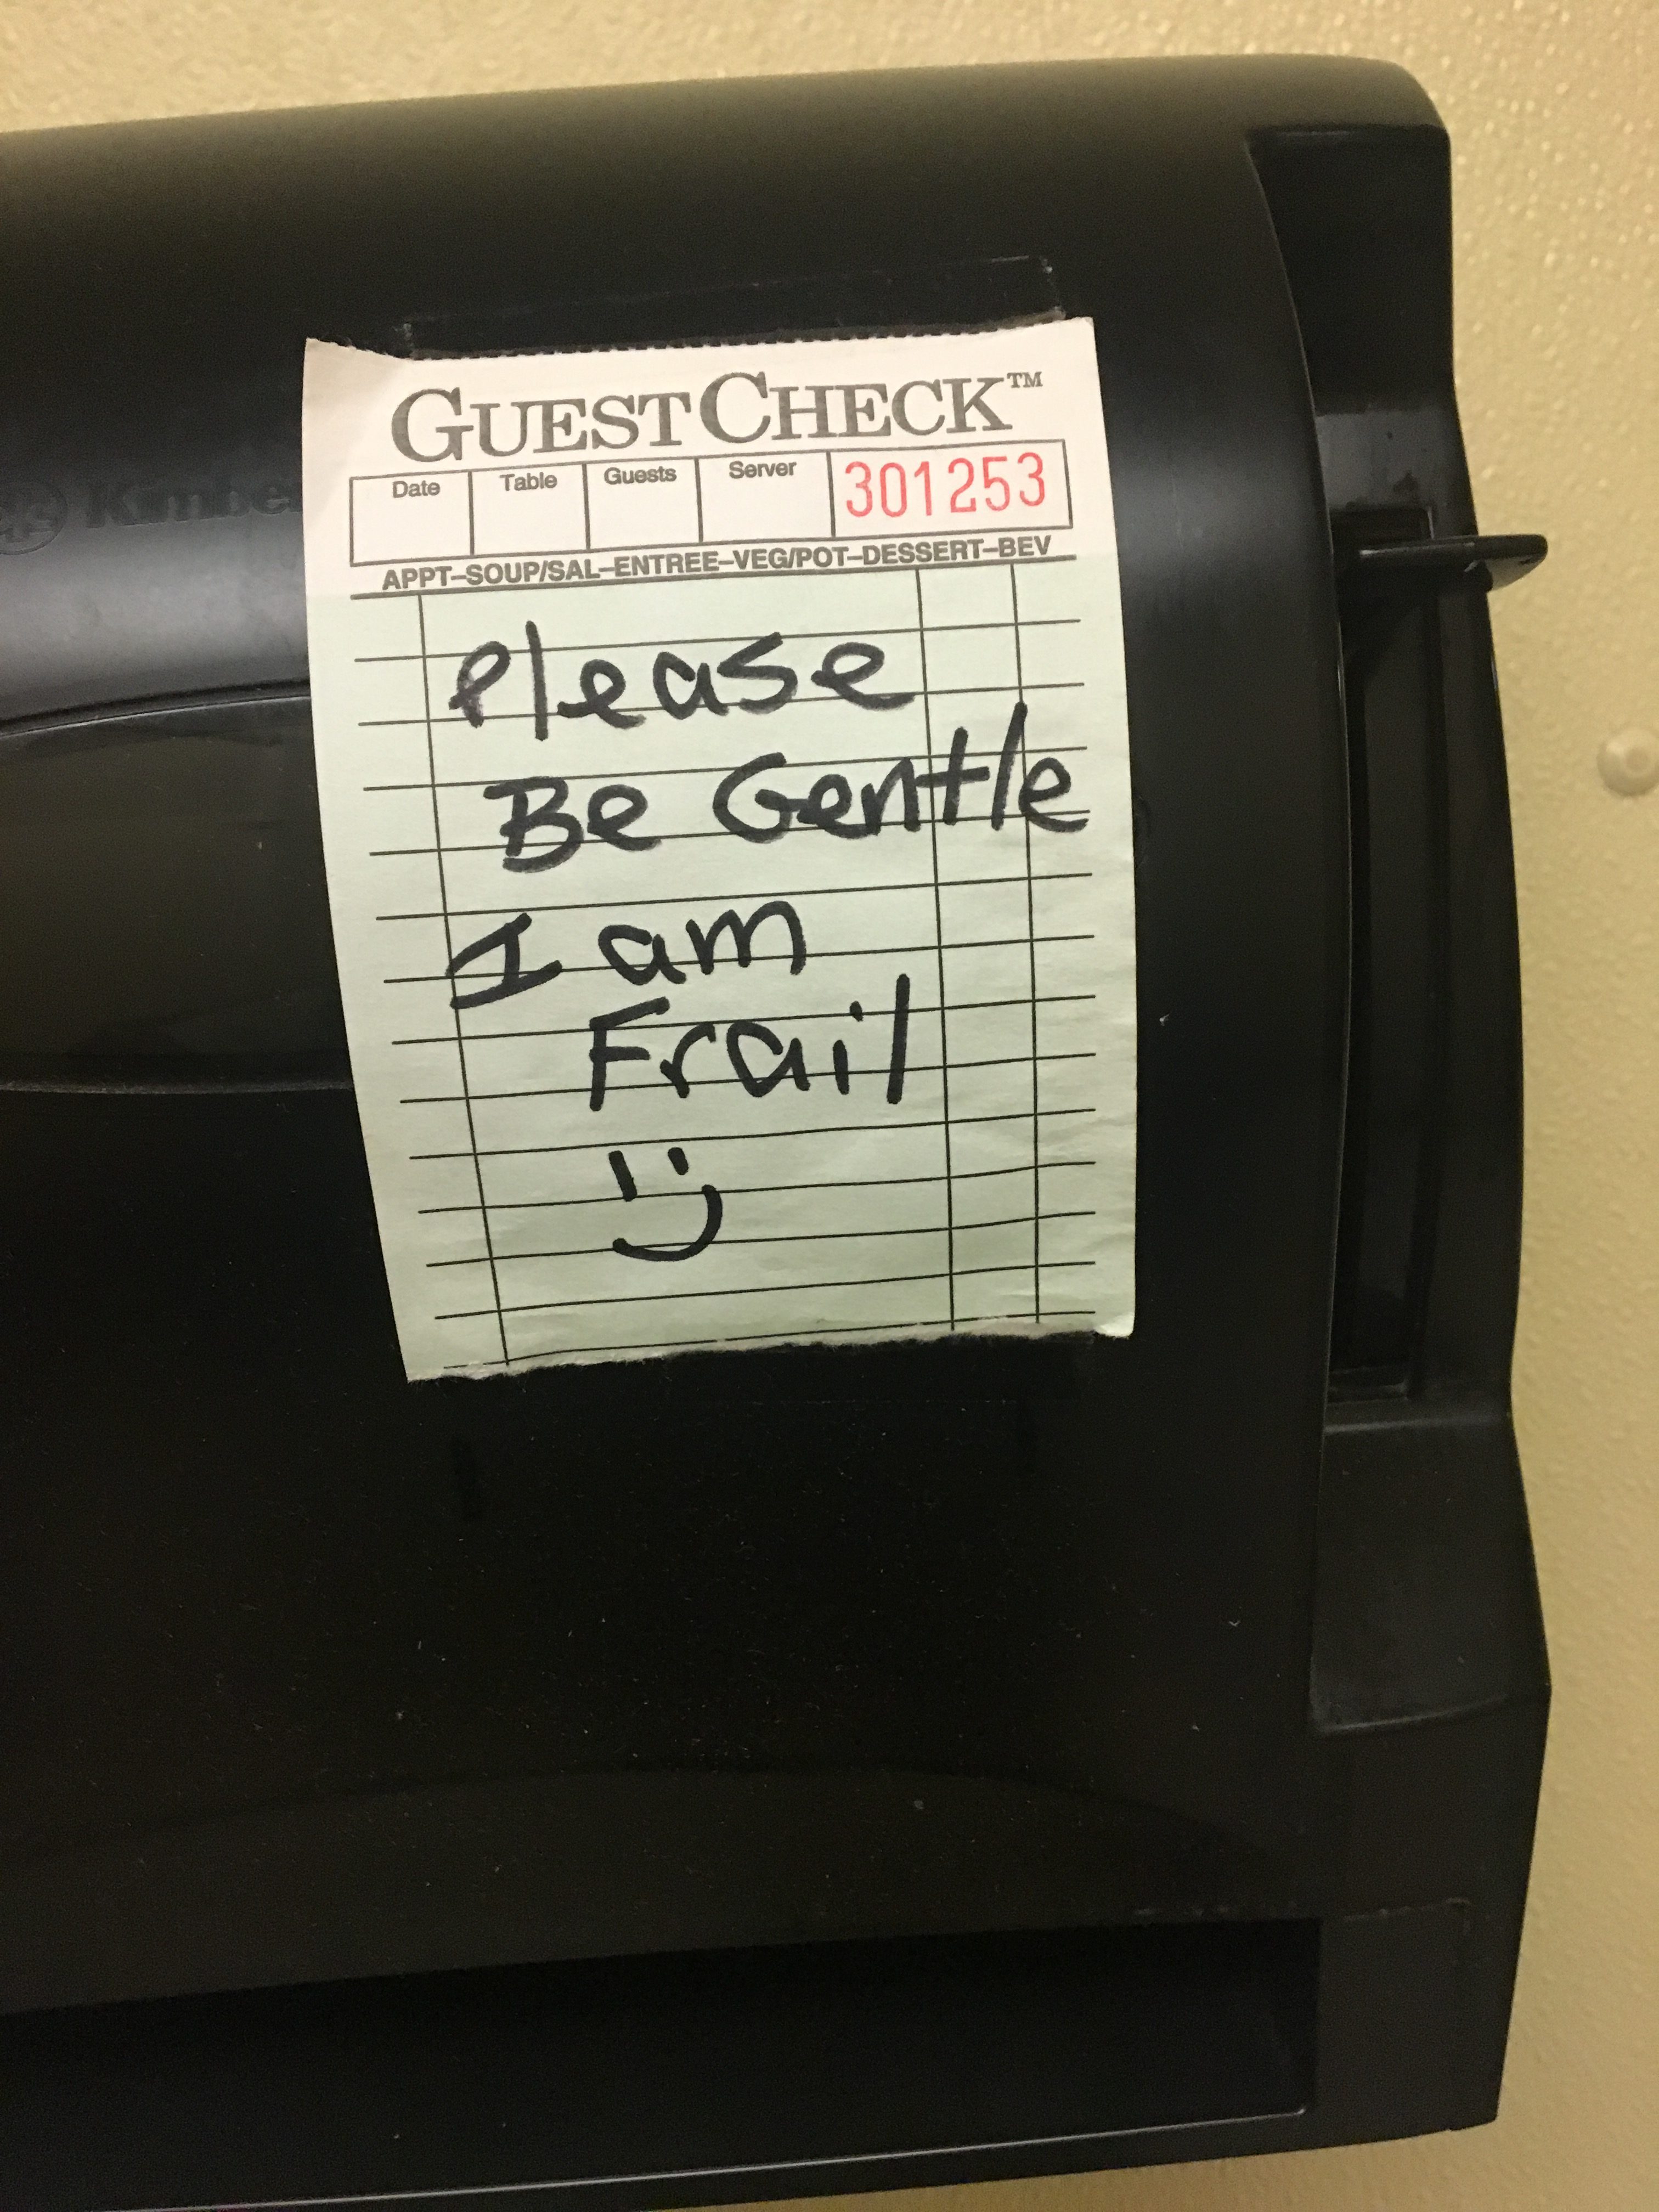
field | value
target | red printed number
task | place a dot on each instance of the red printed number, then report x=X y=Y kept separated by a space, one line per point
x=973 y=483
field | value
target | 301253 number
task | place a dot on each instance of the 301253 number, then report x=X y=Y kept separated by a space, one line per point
x=959 y=485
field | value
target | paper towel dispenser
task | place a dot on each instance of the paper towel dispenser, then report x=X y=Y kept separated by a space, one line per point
x=780 y=1771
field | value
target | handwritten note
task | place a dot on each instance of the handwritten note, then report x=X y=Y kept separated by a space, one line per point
x=723 y=758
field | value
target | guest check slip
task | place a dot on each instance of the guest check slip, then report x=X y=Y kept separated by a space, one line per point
x=724 y=769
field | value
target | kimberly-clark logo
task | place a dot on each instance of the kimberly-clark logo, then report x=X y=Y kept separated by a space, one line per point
x=130 y=506
x=31 y=516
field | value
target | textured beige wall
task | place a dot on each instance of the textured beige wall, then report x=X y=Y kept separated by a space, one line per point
x=1552 y=111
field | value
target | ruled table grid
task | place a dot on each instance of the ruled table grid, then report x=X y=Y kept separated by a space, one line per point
x=547 y=504
x=947 y=1233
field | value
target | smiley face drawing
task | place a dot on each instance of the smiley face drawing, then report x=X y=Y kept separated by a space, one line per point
x=711 y=1228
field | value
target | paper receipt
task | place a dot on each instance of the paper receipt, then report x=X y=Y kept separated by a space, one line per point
x=723 y=761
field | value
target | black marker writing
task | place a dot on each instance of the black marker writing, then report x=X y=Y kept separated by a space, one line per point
x=524 y=817
x=1011 y=748
x=1047 y=778
x=901 y=1039
x=715 y=1212
x=532 y=638
x=602 y=683
x=901 y=777
x=704 y=943
x=674 y=1067
x=744 y=664
x=711 y=1229
x=602 y=1055
x=701 y=694
x=826 y=805
x=638 y=974
x=485 y=665
x=615 y=939
x=790 y=1060
x=682 y=688
x=726 y=789
x=612 y=808
x=507 y=940
x=836 y=676
x=950 y=779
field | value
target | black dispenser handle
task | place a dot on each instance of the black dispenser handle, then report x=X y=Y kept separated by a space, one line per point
x=1390 y=591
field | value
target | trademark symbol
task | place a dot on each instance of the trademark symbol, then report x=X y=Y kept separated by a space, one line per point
x=1025 y=380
